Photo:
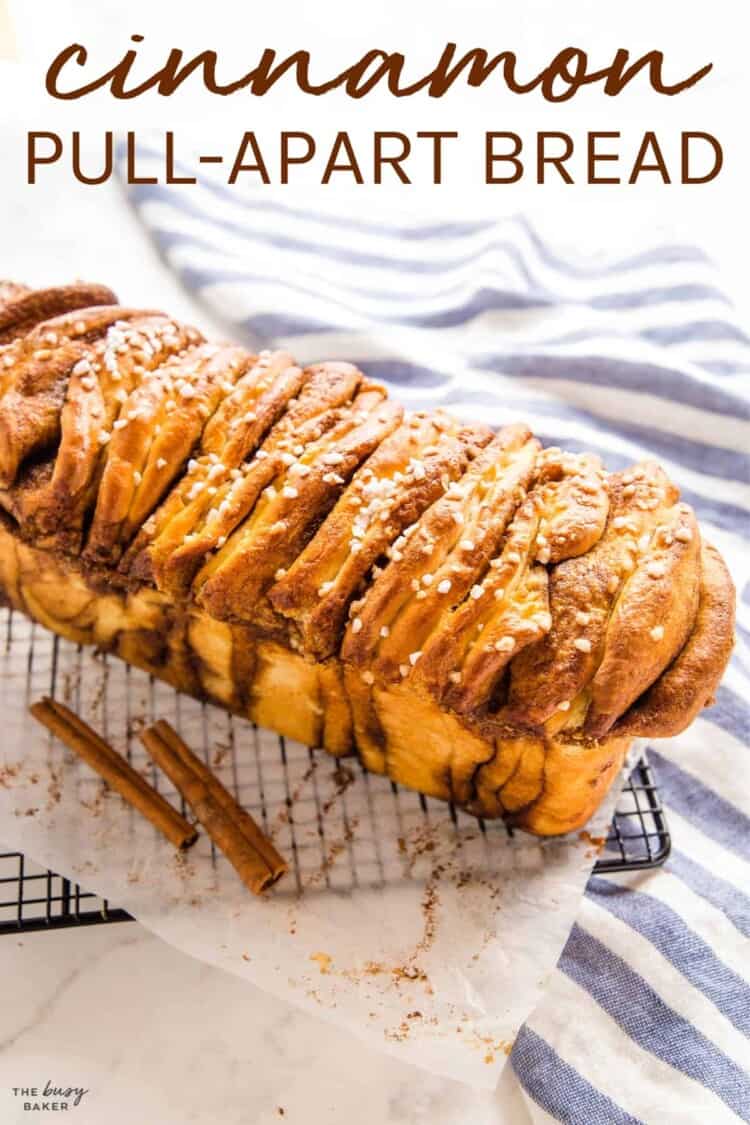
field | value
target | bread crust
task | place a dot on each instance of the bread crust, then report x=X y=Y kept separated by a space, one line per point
x=689 y=683
x=34 y=373
x=407 y=473
x=435 y=562
x=52 y=503
x=583 y=593
x=21 y=308
x=481 y=619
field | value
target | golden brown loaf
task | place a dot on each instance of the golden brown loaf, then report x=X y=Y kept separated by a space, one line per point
x=482 y=619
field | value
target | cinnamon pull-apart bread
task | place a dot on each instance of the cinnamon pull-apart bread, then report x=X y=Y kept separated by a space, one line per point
x=481 y=619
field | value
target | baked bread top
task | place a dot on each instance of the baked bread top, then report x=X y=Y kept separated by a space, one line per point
x=524 y=588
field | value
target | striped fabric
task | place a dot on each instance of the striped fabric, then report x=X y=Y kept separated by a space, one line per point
x=647 y=1016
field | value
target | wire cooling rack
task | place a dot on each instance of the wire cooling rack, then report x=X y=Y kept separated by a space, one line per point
x=34 y=662
x=32 y=898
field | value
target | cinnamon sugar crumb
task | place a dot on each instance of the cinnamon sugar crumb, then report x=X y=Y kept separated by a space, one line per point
x=324 y=961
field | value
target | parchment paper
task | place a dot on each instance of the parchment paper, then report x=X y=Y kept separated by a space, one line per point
x=422 y=934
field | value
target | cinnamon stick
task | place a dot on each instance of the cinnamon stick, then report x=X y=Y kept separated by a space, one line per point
x=249 y=827
x=116 y=771
x=231 y=828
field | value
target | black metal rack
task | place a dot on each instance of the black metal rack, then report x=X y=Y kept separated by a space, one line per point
x=638 y=837
x=32 y=898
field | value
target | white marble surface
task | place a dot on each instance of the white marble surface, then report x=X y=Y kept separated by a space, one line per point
x=162 y=1039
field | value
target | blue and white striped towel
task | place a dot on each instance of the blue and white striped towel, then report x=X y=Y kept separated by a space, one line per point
x=647 y=1015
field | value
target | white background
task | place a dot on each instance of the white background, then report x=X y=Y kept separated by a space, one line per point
x=156 y=1036
x=592 y=218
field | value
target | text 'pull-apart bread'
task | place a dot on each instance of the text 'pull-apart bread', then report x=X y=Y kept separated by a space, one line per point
x=481 y=619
